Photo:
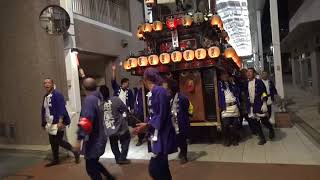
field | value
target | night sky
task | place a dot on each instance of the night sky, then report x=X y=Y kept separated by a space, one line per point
x=283 y=23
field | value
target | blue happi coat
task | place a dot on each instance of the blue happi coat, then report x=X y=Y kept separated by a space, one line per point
x=160 y=119
x=57 y=107
x=273 y=90
x=138 y=105
x=183 y=115
x=260 y=96
x=129 y=99
x=222 y=99
x=94 y=143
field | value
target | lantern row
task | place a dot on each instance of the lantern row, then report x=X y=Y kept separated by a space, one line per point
x=172 y=23
x=177 y=56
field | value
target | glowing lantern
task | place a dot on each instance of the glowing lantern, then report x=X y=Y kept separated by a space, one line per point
x=153 y=60
x=200 y=53
x=126 y=65
x=176 y=56
x=164 y=58
x=157 y=26
x=172 y=23
x=140 y=32
x=187 y=21
x=216 y=21
x=198 y=17
x=188 y=55
x=142 y=61
x=214 y=52
x=133 y=62
x=147 y=27
x=230 y=53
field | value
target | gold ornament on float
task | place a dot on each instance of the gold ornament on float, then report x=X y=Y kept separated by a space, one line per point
x=198 y=17
x=187 y=21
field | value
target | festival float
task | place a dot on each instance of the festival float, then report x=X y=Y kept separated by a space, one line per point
x=192 y=49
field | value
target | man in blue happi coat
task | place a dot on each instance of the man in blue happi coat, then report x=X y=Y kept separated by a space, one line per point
x=91 y=132
x=271 y=90
x=117 y=125
x=257 y=105
x=229 y=95
x=139 y=110
x=55 y=118
x=160 y=130
x=181 y=110
x=122 y=91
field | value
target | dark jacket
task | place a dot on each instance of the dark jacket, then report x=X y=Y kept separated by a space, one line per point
x=116 y=91
x=57 y=109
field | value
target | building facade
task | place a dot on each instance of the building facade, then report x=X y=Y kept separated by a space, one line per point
x=102 y=32
x=303 y=44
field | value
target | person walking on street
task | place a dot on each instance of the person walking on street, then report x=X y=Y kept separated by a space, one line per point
x=91 y=131
x=160 y=131
x=257 y=106
x=117 y=129
x=55 y=118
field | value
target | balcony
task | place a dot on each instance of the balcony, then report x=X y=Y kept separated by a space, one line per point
x=111 y=12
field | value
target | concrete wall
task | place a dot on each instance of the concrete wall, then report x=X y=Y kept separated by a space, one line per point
x=308 y=11
x=94 y=38
x=27 y=56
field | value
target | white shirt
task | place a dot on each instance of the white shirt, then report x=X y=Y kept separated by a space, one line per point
x=123 y=96
x=266 y=83
x=231 y=111
x=50 y=128
x=229 y=96
x=252 y=89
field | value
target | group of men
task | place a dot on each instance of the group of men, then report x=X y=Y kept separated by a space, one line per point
x=166 y=126
x=248 y=98
x=104 y=117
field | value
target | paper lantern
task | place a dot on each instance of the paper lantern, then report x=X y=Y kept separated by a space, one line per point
x=165 y=58
x=176 y=56
x=143 y=61
x=133 y=62
x=172 y=23
x=147 y=28
x=216 y=21
x=230 y=53
x=214 y=52
x=187 y=21
x=198 y=17
x=153 y=60
x=200 y=53
x=157 y=26
x=188 y=55
x=126 y=65
x=140 y=32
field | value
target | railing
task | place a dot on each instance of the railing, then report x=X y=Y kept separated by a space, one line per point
x=114 y=13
